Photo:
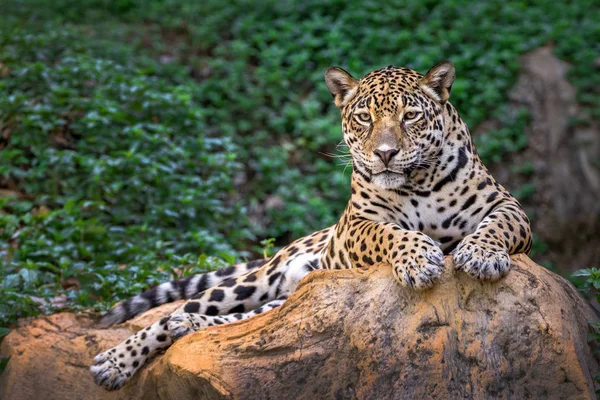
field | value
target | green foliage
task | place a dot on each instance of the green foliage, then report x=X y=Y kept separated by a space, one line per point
x=527 y=168
x=588 y=282
x=509 y=138
x=143 y=137
x=121 y=171
x=539 y=247
x=525 y=191
x=591 y=282
x=268 y=245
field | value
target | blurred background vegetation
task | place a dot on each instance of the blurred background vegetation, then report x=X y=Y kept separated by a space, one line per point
x=142 y=140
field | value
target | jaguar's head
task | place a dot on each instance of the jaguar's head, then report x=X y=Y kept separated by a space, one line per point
x=392 y=119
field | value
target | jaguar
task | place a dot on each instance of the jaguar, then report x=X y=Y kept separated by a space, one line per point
x=418 y=191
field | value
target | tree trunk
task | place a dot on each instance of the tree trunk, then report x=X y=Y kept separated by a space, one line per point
x=352 y=334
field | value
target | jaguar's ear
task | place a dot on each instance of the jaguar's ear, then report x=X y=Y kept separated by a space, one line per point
x=341 y=85
x=438 y=81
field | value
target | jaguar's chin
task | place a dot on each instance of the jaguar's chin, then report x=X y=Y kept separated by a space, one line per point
x=389 y=180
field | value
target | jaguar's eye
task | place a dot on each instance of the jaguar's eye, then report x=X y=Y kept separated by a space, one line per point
x=364 y=117
x=410 y=115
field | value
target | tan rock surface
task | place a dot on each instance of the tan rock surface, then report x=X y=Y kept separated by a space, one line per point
x=344 y=334
x=50 y=356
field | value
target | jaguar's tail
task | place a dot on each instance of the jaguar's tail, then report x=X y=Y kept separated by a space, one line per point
x=183 y=288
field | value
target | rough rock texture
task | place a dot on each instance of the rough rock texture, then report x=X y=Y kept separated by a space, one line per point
x=344 y=334
x=565 y=207
x=50 y=356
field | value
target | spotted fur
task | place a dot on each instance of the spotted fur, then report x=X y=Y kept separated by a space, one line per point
x=419 y=190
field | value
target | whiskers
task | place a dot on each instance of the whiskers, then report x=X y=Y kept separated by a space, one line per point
x=343 y=157
x=429 y=161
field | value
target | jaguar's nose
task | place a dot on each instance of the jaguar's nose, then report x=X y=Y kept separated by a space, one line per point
x=386 y=155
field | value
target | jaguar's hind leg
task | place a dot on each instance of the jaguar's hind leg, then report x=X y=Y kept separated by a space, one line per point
x=183 y=324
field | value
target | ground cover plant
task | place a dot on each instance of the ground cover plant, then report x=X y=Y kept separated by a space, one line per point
x=144 y=140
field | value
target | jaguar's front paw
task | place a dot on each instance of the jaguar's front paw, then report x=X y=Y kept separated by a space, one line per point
x=420 y=261
x=481 y=261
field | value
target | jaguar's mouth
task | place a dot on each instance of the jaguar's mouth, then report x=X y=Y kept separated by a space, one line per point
x=389 y=179
x=406 y=171
x=388 y=172
x=392 y=179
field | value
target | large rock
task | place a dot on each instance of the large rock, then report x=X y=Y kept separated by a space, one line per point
x=343 y=334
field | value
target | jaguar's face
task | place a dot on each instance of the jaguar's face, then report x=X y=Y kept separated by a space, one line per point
x=392 y=119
